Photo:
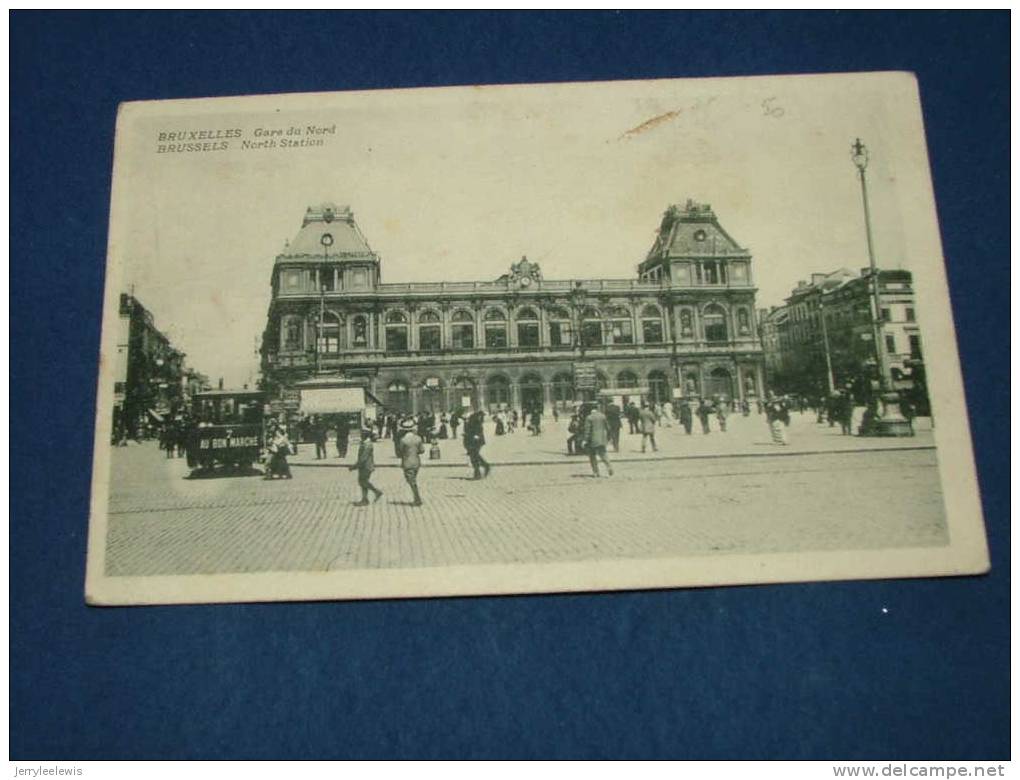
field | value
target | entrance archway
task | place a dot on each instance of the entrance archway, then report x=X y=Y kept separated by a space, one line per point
x=532 y=397
x=497 y=393
x=720 y=382
x=658 y=388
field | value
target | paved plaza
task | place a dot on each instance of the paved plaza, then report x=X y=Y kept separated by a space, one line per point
x=732 y=492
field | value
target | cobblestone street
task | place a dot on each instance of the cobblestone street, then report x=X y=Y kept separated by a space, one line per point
x=730 y=492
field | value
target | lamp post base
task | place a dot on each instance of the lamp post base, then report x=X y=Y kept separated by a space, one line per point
x=890 y=423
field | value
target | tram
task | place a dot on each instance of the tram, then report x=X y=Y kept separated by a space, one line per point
x=226 y=429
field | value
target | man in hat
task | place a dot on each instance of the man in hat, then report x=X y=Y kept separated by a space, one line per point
x=411 y=448
x=596 y=436
x=365 y=465
x=474 y=440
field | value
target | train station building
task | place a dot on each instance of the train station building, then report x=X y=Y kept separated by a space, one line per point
x=683 y=325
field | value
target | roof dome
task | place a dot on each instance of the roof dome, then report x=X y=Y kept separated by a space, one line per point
x=328 y=230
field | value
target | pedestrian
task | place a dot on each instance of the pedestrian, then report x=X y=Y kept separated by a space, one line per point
x=574 y=439
x=720 y=414
x=846 y=413
x=536 y=421
x=633 y=417
x=686 y=417
x=500 y=425
x=774 y=415
x=343 y=436
x=279 y=449
x=615 y=423
x=704 y=410
x=474 y=440
x=380 y=424
x=398 y=433
x=444 y=432
x=365 y=465
x=596 y=434
x=555 y=414
x=647 y=417
x=454 y=424
x=411 y=448
x=319 y=436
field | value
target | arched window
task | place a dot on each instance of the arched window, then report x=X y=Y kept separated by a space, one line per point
x=626 y=379
x=430 y=331
x=497 y=392
x=495 y=329
x=714 y=319
x=527 y=329
x=621 y=326
x=292 y=334
x=463 y=330
x=651 y=325
x=397 y=397
x=359 y=331
x=396 y=331
x=329 y=333
x=658 y=387
x=591 y=327
x=561 y=333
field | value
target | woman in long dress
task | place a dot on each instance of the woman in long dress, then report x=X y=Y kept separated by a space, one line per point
x=775 y=414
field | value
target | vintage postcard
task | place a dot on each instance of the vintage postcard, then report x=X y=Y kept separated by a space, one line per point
x=525 y=339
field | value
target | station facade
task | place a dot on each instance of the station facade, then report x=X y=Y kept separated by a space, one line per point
x=683 y=326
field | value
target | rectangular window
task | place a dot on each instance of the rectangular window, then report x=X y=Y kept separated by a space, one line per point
x=326 y=280
x=495 y=337
x=623 y=331
x=429 y=338
x=292 y=280
x=652 y=331
x=527 y=334
x=328 y=343
x=396 y=339
x=890 y=343
x=910 y=314
x=886 y=316
x=560 y=334
x=591 y=333
x=915 y=348
x=463 y=336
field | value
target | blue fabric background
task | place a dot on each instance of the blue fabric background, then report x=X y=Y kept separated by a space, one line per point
x=795 y=671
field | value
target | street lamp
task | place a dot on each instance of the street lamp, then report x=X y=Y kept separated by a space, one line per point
x=327 y=242
x=829 y=378
x=888 y=421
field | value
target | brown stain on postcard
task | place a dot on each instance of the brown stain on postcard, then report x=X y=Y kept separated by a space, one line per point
x=655 y=121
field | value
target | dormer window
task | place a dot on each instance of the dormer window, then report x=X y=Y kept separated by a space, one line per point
x=700 y=235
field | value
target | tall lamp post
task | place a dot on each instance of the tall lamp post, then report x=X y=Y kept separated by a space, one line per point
x=829 y=378
x=888 y=420
x=327 y=242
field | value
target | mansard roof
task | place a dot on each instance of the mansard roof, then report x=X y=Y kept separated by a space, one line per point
x=692 y=230
x=347 y=240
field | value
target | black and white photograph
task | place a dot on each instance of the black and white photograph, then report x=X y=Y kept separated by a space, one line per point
x=524 y=339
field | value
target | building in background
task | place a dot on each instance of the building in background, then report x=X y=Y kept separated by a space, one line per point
x=685 y=325
x=822 y=338
x=150 y=379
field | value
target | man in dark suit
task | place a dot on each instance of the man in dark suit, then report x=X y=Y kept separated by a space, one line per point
x=474 y=440
x=365 y=465
x=613 y=418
